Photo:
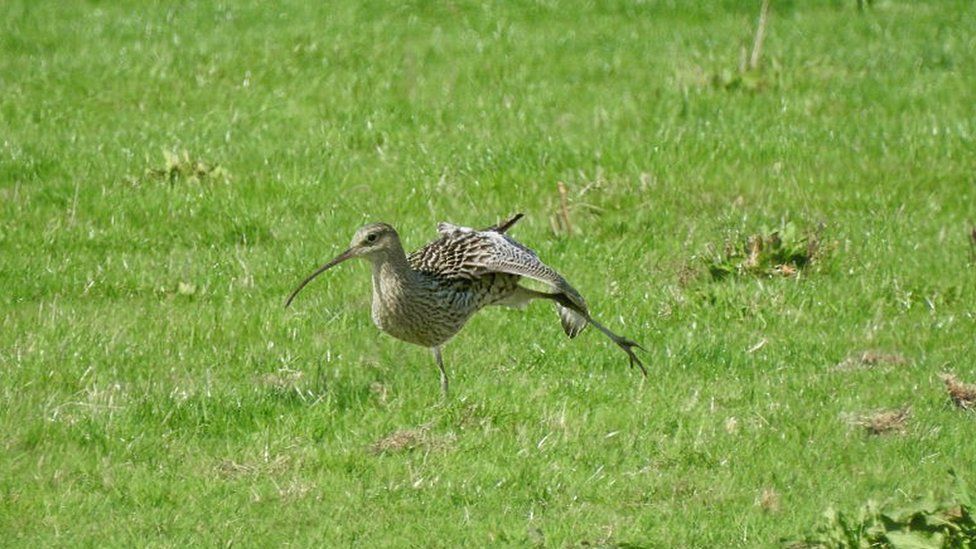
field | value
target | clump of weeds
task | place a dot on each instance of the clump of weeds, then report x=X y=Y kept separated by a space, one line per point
x=179 y=166
x=928 y=521
x=782 y=251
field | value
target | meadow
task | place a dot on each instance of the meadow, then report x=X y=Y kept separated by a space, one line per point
x=169 y=171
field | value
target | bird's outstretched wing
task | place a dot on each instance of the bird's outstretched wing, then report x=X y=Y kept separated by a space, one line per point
x=464 y=253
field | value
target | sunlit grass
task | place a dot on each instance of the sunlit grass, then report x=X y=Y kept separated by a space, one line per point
x=169 y=172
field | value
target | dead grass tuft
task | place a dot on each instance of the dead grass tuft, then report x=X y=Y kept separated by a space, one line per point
x=961 y=394
x=405 y=440
x=768 y=500
x=574 y=203
x=686 y=274
x=380 y=392
x=284 y=379
x=887 y=421
x=870 y=359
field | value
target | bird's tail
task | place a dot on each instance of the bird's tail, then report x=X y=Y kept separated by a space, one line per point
x=504 y=225
x=573 y=322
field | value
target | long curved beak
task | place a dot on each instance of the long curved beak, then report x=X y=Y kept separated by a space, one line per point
x=339 y=259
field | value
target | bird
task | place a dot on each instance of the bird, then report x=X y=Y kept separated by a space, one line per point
x=426 y=297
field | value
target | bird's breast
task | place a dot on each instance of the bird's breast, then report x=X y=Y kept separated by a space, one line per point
x=419 y=312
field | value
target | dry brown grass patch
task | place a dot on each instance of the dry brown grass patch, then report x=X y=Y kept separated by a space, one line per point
x=283 y=379
x=962 y=394
x=883 y=422
x=405 y=440
x=768 y=500
x=870 y=359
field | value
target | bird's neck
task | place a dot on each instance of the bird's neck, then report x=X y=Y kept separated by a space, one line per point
x=391 y=269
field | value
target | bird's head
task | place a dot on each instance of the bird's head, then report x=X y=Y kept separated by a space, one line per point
x=375 y=242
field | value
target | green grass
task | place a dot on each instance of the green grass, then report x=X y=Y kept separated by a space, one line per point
x=153 y=390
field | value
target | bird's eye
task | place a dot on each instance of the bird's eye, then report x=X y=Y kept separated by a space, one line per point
x=371 y=238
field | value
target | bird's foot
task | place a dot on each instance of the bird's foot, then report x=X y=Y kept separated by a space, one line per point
x=626 y=344
x=628 y=347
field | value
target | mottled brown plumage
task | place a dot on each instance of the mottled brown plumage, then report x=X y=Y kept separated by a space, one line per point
x=426 y=298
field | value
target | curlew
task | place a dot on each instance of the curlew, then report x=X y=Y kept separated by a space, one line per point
x=426 y=297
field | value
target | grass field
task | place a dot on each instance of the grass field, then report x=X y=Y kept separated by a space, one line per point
x=170 y=170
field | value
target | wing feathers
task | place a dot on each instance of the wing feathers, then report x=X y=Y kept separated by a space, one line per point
x=465 y=253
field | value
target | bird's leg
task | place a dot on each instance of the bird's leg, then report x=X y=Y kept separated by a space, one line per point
x=440 y=365
x=626 y=344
